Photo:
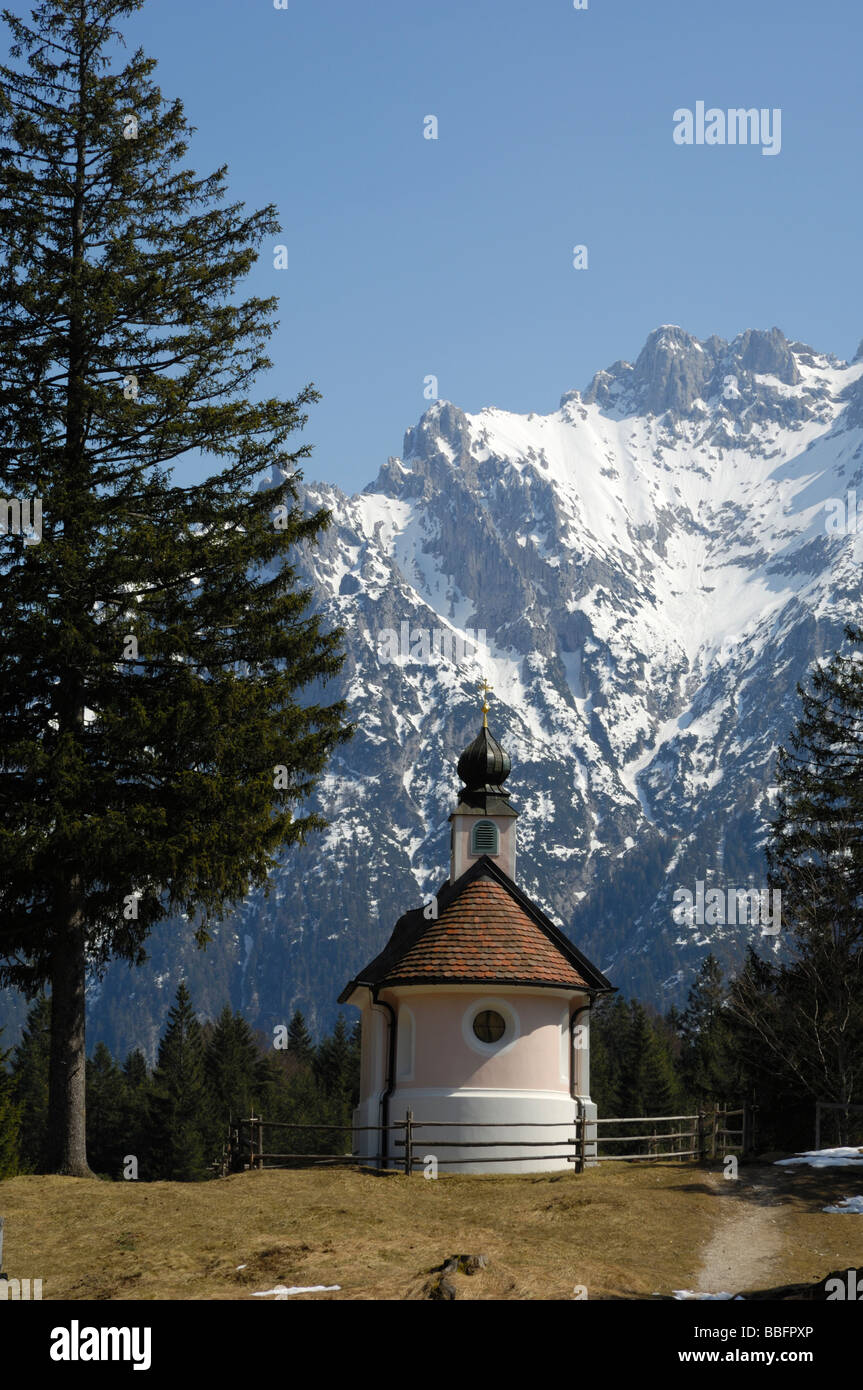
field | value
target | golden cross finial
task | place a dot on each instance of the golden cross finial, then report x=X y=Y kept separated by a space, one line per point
x=486 y=691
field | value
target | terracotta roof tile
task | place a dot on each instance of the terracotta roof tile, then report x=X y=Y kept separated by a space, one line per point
x=484 y=935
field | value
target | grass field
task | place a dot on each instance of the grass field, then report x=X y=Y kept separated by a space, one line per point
x=621 y=1231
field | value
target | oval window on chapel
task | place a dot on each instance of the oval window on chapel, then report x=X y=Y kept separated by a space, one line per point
x=489 y=1026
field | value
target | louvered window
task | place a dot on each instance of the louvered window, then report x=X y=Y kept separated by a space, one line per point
x=485 y=838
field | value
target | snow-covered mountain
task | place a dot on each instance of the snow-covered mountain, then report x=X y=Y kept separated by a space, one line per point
x=652 y=570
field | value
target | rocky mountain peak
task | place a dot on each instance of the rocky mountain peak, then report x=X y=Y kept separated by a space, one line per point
x=675 y=370
x=643 y=577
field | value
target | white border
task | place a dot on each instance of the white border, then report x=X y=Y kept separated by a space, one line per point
x=510 y=1017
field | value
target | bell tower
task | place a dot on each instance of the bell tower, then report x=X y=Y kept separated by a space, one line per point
x=483 y=822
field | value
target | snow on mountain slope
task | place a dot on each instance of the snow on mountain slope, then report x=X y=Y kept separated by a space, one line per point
x=651 y=568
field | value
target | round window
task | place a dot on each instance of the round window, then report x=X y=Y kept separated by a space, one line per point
x=489 y=1026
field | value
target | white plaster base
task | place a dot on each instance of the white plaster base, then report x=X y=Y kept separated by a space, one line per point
x=472 y=1108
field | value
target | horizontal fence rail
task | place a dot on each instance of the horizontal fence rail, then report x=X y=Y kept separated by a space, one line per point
x=708 y=1138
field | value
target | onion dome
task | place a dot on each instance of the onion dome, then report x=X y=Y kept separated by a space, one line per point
x=484 y=766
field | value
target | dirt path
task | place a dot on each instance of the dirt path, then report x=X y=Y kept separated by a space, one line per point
x=746 y=1251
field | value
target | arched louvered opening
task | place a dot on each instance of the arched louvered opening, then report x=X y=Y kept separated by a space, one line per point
x=485 y=838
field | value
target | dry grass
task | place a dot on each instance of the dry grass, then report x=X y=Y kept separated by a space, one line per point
x=621 y=1231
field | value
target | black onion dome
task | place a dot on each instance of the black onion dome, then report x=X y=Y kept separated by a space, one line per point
x=484 y=766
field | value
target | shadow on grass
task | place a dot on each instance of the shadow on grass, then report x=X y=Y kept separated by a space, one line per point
x=807 y=1189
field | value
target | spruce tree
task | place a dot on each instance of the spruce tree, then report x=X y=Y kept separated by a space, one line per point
x=811 y=1025
x=332 y=1060
x=659 y=1084
x=135 y=1072
x=107 y=1137
x=136 y=1087
x=609 y=1030
x=334 y=1068
x=157 y=648
x=235 y=1069
x=648 y=1085
x=293 y=1096
x=300 y=1045
x=708 y=1072
x=181 y=1117
x=30 y=1071
x=355 y=1055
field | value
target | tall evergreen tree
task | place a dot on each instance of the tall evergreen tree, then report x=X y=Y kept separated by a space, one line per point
x=706 y=1064
x=107 y=1138
x=235 y=1069
x=135 y=1072
x=609 y=1030
x=30 y=1069
x=292 y=1096
x=757 y=1012
x=156 y=645
x=648 y=1083
x=334 y=1072
x=811 y=1024
x=332 y=1060
x=181 y=1117
x=136 y=1089
x=300 y=1045
x=355 y=1053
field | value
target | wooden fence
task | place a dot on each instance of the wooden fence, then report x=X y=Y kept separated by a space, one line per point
x=707 y=1137
x=245 y=1145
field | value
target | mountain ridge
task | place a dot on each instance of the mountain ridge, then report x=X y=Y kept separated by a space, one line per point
x=652 y=571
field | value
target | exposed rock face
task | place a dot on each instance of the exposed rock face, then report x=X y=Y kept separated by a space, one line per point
x=652 y=571
x=677 y=373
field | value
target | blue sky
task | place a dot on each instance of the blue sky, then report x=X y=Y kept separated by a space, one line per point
x=453 y=257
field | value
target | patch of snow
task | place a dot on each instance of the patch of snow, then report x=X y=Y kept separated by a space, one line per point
x=690 y=1293
x=848 y=1204
x=825 y=1158
x=281 y=1291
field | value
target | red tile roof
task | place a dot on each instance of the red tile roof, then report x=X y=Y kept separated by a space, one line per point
x=487 y=931
x=484 y=935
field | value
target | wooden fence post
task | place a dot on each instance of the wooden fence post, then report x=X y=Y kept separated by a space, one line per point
x=409 y=1148
x=580 y=1137
x=260 y=1145
x=720 y=1124
x=817 y=1124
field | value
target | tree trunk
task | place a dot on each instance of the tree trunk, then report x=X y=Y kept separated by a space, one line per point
x=67 y=1132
